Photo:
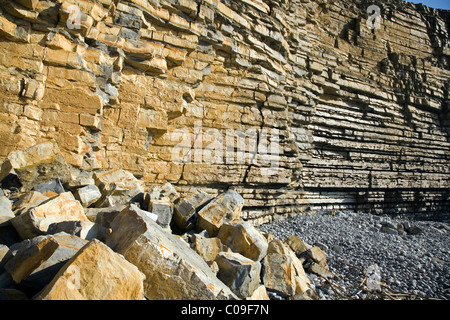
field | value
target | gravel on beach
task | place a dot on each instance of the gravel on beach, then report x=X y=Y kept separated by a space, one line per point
x=410 y=257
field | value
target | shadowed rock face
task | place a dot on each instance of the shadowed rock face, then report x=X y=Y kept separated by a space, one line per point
x=331 y=114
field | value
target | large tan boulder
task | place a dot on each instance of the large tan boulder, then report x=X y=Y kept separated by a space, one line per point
x=226 y=207
x=172 y=269
x=297 y=245
x=117 y=187
x=36 y=220
x=36 y=261
x=244 y=239
x=283 y=271
x=207 y=248
x=186 y=209
x=37 y=164
x=239 y=273
x=95 y=273
x=28 y=200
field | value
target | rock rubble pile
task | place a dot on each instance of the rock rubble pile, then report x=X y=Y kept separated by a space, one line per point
x=360 y=117
x=101 y=235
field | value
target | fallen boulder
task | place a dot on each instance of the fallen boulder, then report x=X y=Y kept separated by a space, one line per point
x=245 y=239
x=207 y=248
x=283 y=272
x=50 y=188
x=36 y=220
x=37 y=164
x=259 y=294
x=226 y=207
x=104 y=216
x=159 y=192
x=118 y=187
x=28 y=200
x=28 y=255
x=36 y=261
x=172 y=270
x=163 y=208
x=95 y=272
x=297 y=245
x=185 y=213
x=239 y=273
x=87 y=195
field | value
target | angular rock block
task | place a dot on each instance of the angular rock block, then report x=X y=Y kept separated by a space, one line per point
x=168 y=191
x=245 y=239
x=104 y=216
x=239 y=273
x=163 y=208
x=36 y=261
x=226 y=207
x=36 y=220
x=38 y=164
x=50 y=188
x=317 y=255
x=87 y=195
x=283 y=272
x=117 y=187
x=95 y=272
x=187 y=208
x=297 y=245
x=172 y=270
x=83 y=229
x=278 y=275
x=29 y=255
x=207 y=248
x=28 y=200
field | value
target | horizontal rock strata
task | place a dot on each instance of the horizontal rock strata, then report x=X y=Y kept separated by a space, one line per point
x=360 y=116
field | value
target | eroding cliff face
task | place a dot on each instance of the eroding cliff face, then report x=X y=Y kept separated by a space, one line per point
x=329 y=113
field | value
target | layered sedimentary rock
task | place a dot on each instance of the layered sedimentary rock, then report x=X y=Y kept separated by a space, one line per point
x=297 y=105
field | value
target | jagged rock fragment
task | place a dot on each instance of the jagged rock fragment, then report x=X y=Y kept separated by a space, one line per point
x=239 y=273
x=87 y=195
x=187 y=208
x=36 y=261
x=117 y=187
x=172 y=270
x=282 y=271
x=36 y=220
x=37 y=164
x=95 y=272
x=244 y=239
x=163 y=208
x=226 y=207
